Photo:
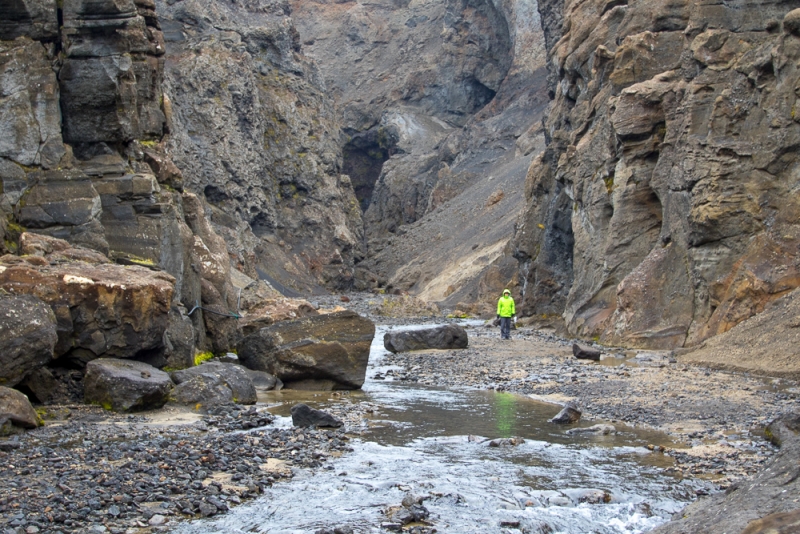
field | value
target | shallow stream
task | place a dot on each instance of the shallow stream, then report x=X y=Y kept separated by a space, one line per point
x=435 y=444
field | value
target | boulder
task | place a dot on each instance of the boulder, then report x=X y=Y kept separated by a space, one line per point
x=585 y=353
x=304 y=415
x=101 y=309
x=202 y=391
x=332 y=347
x=264 y=381
x=16 y=408
x=442 y=337
x=27 y=336
x=273 y=310
x=125 y=385
x=234 y=377
x=569 y=414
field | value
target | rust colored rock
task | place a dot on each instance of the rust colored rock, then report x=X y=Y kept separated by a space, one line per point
x=331 y=350
x=272 y=311
x=663 y=212
x=101 y=309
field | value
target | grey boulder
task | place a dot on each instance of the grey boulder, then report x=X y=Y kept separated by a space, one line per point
x=442 y=337
x=264 y=381
x=569 y=414
x=232 y=376
x=327 y=351
x=202 y=391
x=16 y=409
x=125 y=385
x=306 y=416
x=585 y=353
x=27 y=336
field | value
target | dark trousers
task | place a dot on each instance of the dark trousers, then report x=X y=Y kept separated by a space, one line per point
x=505 y=327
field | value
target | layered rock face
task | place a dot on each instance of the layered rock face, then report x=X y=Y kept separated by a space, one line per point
x=441 y=104
x=253 y=129
x=664 y=209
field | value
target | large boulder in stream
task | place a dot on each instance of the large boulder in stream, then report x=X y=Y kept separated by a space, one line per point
x=195 y=382
x=322 y=352
x=27 y=336
x=125 y=385
x=445 y=337
x=304 y=415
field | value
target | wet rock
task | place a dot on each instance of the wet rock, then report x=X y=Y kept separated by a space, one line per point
x=27 y=336
x=235 y=377
x=585 y=353
x=569 y=414
x=332 y=348
x=305 y=416
x=442 y=337
x=16 y=409
x=594 y=429
x=411 y=514
x=124 y=385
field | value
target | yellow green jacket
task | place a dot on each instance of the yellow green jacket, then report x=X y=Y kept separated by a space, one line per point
x=505 y=306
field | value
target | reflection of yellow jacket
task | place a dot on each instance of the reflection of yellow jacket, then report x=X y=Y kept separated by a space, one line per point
x=505 y=307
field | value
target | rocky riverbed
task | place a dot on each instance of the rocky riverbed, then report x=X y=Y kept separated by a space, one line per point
x=91 y=471
x=719 y=416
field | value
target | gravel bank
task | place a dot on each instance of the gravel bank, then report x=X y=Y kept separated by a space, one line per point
x=97 y=472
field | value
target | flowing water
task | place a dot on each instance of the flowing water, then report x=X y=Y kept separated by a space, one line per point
x=434 y=443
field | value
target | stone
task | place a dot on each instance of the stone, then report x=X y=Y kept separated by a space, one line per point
x=442 y=337
x=29 y=98
x=272 y=310
x=586 y=353
x=16 y=408
x=101 y=309
x=780 y=523
x=305 y=416
x=125 y=385
x=264 y=381
x=600 y=429
x=332 y=347
x=27 y=336
x=202 y=391
x=36 y=19
x=569 y=414
x=235 y=377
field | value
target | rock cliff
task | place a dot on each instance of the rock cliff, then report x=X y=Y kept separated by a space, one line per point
x=664 y=209
x=253 y=130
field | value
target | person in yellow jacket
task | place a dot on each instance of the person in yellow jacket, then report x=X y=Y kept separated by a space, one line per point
x=505 y=311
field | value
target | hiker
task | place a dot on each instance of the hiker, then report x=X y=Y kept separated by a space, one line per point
x=505 y=311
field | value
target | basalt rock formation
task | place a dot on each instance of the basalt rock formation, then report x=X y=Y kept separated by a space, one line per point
x=253 y=130
x=664 y=209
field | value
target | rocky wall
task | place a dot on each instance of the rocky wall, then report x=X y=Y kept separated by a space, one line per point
x=254 y=131
x=664 y=209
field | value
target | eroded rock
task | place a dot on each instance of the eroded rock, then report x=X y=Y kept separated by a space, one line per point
x=442 y=337
x=16 y=409
x=570 y=413
x=303 y=415
x=125 y=385
x=332 y=349
x=234 y=377
x=27 y=336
